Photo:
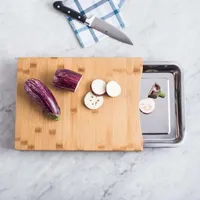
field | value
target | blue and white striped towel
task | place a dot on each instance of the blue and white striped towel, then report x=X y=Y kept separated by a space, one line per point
x=108 y=10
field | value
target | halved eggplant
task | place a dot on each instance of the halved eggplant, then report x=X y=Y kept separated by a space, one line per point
x=67 y=79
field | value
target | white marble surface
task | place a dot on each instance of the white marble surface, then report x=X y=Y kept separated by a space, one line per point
x=161 y=30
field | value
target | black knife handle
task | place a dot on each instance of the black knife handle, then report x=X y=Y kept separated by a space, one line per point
x=58 y=5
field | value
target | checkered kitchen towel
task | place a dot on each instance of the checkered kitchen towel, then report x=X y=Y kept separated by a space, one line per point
x=108 y=10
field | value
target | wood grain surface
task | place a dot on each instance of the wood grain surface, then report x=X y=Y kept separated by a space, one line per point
x=113 y=127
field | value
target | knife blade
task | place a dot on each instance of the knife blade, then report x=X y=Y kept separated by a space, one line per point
x=94 y=22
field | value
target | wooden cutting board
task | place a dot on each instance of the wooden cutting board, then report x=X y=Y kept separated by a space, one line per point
x=114 y=127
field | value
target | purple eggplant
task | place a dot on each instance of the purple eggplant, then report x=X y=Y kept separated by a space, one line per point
x=67 y=79
x=156 y=92
x=38 y=92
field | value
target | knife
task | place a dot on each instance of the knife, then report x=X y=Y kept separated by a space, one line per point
x=94 y=22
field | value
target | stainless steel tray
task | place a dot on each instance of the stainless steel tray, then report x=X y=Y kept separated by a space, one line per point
x=165 y=127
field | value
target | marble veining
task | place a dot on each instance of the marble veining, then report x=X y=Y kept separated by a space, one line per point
x=161 y=31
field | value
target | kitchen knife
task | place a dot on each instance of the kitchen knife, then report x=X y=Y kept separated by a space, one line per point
x=94 y=22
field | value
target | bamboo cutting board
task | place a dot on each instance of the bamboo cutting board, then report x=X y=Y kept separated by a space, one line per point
x=113 y=127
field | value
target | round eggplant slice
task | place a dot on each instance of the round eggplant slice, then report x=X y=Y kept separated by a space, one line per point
x=98 y=87
x=147 y=105
x=92 y=101
x=113 y=89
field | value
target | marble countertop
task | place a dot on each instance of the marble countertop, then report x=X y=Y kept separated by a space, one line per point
x=162 y=31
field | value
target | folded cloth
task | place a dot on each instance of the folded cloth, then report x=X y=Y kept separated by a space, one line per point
x=108 y=10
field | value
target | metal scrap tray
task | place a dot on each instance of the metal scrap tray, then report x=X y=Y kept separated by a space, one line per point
x=165 y=126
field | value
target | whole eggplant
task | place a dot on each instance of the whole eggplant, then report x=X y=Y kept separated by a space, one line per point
x=67 y=79
x=38 y=92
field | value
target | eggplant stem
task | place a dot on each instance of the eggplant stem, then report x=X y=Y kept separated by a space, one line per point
x=57 y=118
x=52 y=116
x=161 y=94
